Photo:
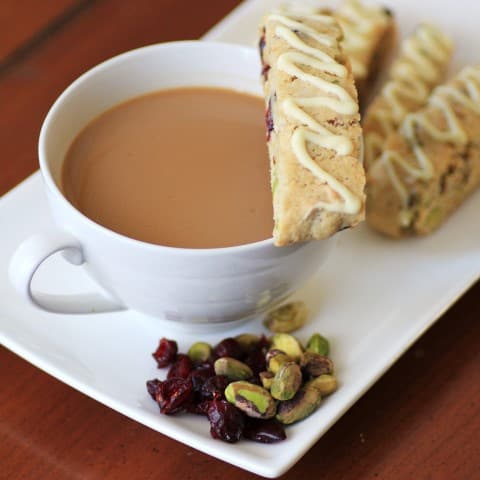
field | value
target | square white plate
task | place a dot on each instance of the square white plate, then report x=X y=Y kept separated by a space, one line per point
x=373 y=298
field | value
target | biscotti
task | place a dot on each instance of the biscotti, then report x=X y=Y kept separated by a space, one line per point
x=369 y=36
x=432 y=164
x=421 y=66
x=313 y=124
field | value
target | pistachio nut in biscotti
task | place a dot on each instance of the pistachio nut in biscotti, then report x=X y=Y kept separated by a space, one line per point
x=420 y=67
x=431 y=164
x=313 y=127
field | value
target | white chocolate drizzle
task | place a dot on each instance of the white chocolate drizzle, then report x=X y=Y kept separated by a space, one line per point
x=467 y=93
x=331 y=96
x=420 y=67
x=358 y=22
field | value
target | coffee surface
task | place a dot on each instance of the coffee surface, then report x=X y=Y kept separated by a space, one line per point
x=184 y=168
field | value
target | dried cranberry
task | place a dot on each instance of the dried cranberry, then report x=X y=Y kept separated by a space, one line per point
x=200 y=375
x=153 y=386
x=200 y=408
x=174 y=395
x=181 y=368
x=214 y=387
x=261 y=44
x=165 y=353
x=263 y=343
x=256 y=361
x=256 y=358
x=228 y=347
x=264 y=431
x=269 y=120
x=255 y=380
x=206 y=367
x=226 y=421
x=265 y=70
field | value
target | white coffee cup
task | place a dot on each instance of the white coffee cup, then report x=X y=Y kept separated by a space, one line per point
x=186 y=285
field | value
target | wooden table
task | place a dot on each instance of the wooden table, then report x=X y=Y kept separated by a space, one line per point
x=420 y=421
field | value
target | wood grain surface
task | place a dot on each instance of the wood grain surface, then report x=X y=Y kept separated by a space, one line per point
x=420 y=421
x=23 y=22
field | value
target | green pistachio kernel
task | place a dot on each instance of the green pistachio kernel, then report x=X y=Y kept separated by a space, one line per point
x=305 y=401
x=200 y=352
x=316 y=364
x=325 y=384
x=253 y=400
x=287 y=318
x=434 y=218
x=247 y=341
x=286 y=382
x=287 y=343
x=232 y=368
x=267 y=379
x=275 y=359
x=318 y=344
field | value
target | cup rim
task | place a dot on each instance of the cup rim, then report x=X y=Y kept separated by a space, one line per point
x=52 y=186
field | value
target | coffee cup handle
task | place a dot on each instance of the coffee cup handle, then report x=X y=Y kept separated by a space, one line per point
x=32 y=253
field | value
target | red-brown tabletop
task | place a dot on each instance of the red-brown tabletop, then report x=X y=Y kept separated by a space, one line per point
x=420 y=421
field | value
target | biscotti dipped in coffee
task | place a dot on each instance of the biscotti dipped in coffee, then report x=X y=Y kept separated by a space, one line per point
x=419 y=68
x=313 y=127
x=432 y=164
x=369 y=37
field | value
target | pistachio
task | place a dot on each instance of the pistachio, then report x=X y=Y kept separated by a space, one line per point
x=318 y=344
x=305 y=401
x=199 y=352
x=287 y=318
x=232 y=368
x=275 y=359
x=325 y=384
x=252 y=399
x=288 y=344
x=266 y=378
x=434 y=218
x=286 y=382
x=315 y=364
x=274 y=181
x=247 y=341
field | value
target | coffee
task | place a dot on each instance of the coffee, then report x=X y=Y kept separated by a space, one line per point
x=185 y=167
